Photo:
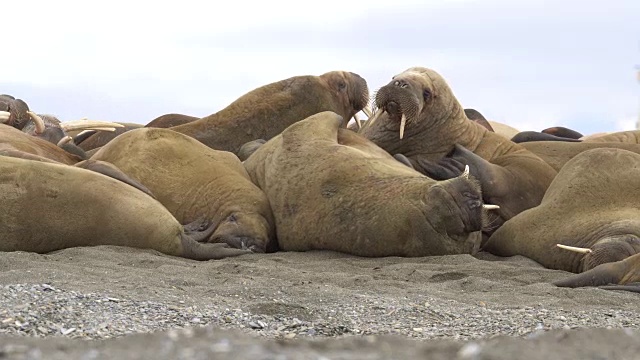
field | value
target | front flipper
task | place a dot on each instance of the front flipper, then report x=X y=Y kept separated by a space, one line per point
x=619 y=275
x=112 y=171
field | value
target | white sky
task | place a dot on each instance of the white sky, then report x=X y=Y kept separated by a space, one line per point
x=530 y=64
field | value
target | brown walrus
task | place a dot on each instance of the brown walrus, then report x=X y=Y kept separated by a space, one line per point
x=557 y=153
x=92 y=140
x=48 y=207
x=331 y=189
x=439 y=140
x=266 y=111
x=192 y=180
x=591 y=204
x=13 y=140
x=170 y=120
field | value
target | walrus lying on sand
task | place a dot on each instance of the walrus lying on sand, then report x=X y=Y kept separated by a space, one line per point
x=266 y=111
x=331 y=189
x=192 y=180
x=420 y=119
x=48 y=207
x=591 y=205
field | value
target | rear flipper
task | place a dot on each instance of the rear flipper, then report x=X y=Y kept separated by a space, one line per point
x=110 y=170
x=619 y=275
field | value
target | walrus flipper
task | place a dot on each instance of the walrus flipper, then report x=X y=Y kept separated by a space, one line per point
x=619 y=275
x=110 y=170
x=528 y=136
x=199 y=231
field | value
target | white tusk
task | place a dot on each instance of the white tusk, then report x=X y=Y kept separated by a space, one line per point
x=374 y=118
x=490 y=207
x=102 y=129
x=403 y=122
x=465 y=173
x=38 y=121
x=87 y=124
x=64 y=140
x=4 y=116
x=355 y=117
x=575 y=249
x=367 y=111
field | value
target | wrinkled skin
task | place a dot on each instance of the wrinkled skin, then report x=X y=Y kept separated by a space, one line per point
x=192 y=180
x=331 y=189
x=48 y=207
x=266 y=111
x=582 y=208
x=627 y=137
x=439 y=140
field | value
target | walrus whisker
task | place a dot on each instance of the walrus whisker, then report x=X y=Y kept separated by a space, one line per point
x=355 y=117
x=4 y=116
x=64 y=140
x=403 y=123
x=575 y=249
x=38 y=121
x=87 y=124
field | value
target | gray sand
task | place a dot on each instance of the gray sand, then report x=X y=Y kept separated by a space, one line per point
x=316 y=303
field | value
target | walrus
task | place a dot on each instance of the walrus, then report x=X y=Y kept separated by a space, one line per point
x=170 y=120
x=528 y=136
x=419 y=117
x=48 y=207
x=591 y=205
x=556 y=154
x=13 y=140
x=193 y=180
x=268 y=110
x=331 y=189
x=629 y=137
x=95 y=139
x=249 y=148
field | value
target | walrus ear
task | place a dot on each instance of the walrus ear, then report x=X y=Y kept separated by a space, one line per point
x=323 y=125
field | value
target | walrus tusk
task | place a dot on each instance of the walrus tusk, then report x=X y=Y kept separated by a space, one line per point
x=4 y=116
x=403 y=122
x=38 y=121
x=64 y=140
x=87 y=124
x=465 y=173
x=490 y=207
x=367 y=111
x=375 y=117
x=355 y=117
x=575 y=249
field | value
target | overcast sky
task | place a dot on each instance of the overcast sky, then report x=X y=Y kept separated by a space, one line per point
x=530 y=64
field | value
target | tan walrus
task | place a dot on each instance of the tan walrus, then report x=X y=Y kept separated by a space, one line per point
x=419 y=118
x=591 y=204
x=331 y=189
x=47 y=207
x=266 y=111
x=192 y=180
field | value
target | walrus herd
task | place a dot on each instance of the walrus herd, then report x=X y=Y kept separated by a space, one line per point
x=281 y=169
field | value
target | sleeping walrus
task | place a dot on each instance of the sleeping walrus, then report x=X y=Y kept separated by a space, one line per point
x=47 y=207
x=331 y=189
x=591 y=207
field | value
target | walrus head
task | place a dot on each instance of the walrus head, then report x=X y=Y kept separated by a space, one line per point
x=417 y=95
x=352 y=91
x=14 y=112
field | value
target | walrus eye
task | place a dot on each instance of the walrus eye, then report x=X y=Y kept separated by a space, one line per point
x=232 y=218
x=342 y=85
x=426 y=94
